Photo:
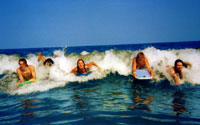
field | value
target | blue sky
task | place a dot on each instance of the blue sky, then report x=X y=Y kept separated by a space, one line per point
x=61 y=23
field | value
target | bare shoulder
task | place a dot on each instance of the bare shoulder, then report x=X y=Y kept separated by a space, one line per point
x=87 y=66
x=171 y=70
x=134 y=60
x=74 y=70
x=31 y=67
x=18 y=70
x=145 y=59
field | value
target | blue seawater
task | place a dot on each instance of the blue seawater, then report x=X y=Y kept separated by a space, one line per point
x=107 y=96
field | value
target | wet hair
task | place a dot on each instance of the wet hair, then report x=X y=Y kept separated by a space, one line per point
x=175 y=65
x=49 y=60
x=140 y=55
x=78 y=66
x=23 y=60
x=178 y=60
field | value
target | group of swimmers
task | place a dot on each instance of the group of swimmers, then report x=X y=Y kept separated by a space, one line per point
x=140 y=61
x=27 y=72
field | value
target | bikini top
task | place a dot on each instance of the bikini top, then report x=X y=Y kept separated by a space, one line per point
x=83 y=74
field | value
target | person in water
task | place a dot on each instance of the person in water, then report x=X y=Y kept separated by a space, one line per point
x=25 y=72
x=140 y=62
x=46 y=62
x=83 y=68
x=176 y=70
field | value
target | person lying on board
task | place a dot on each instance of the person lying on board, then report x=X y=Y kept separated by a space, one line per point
x=83 y=68
x=140 y=61
x=25 y=72
x=176 y=70
x=46 y=62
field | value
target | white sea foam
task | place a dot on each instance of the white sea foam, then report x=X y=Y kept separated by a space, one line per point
x=110 y=61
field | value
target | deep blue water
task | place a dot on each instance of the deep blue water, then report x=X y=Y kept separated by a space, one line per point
x=112 y=99
x=79 y=49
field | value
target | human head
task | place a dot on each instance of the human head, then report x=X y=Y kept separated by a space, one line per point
x=140 y=56
x=178 y=65
x=80 y=64
x=22 y=63
x=48 y=62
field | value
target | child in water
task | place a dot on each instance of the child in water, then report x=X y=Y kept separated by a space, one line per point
x=176 y=70
x=25 y=72
x=140 y=62
x=46 y=62
x=83 y=68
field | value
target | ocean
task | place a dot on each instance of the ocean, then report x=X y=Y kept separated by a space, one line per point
x=109 y=96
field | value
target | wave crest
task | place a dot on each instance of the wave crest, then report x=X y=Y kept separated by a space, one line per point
x=110 y=61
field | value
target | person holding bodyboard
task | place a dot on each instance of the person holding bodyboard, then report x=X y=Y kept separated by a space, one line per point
x=141 y=68
x=82 y=68
x=26 y=73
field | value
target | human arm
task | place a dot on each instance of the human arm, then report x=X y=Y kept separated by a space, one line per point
x=174 y=76
x=88 y=66
x=188 y=64
x=21 y=79
x=32 y=69
x=55 y=54
x=74 y=70
x=41 y=57
x=134 y=68
x=149 y=68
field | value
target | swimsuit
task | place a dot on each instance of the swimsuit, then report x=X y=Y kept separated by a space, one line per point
x=83 y=74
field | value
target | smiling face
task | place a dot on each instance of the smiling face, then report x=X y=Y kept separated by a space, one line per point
x=81 y=64
x=179 y=66
x=22 y=64
x=140 y=60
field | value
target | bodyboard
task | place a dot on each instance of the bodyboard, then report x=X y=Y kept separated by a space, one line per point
x=27 y=82
x=143 y=74
x=84 y=74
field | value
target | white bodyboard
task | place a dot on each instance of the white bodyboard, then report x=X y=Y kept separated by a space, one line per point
x=143 y=74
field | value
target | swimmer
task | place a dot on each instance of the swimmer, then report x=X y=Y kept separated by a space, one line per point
x=46 y=62
x=25 y=72
x=176 y=70
x=83 y=68
x=140 y=62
